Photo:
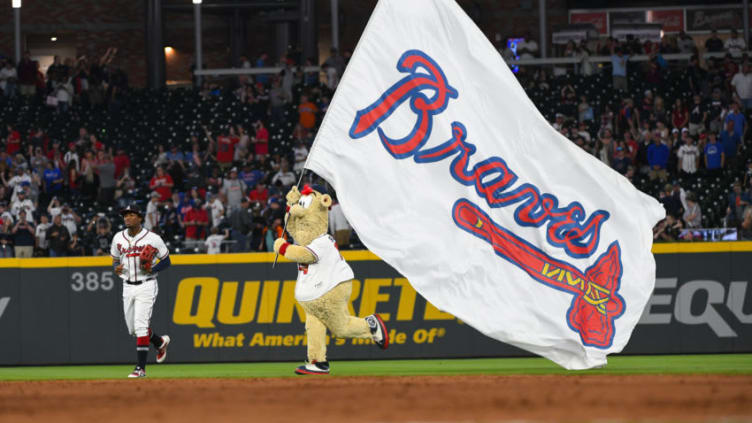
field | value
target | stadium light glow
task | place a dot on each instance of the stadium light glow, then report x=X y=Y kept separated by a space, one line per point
x=53 y=38
x=17 y=4
x=169 y=50
x=196 y=1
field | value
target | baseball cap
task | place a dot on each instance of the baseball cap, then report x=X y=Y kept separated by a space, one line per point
x=308 y=188
x=132 y=208
x=673 y=131
x=684 y=130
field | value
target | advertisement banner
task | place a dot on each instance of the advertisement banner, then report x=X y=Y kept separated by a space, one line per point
x=241 y=309
x=672 y=20
x=599 y=19
x=708 y=19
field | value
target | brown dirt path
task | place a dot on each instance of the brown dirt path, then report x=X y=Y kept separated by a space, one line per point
x=675 y=398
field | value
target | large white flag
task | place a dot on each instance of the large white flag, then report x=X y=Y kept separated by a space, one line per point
x=449 y=173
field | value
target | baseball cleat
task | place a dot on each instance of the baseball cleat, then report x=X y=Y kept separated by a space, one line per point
x=138 y=372
x=378 y=331
x=162 y=350
x=314 y=368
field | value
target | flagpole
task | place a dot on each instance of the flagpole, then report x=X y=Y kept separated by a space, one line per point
x=287 y=213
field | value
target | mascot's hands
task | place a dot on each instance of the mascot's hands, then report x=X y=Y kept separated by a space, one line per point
x=278 y=244
x=293 y=196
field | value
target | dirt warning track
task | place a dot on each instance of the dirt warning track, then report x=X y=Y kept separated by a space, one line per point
x=384 y=399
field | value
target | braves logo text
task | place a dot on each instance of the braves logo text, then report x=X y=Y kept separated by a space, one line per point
x=596 y=302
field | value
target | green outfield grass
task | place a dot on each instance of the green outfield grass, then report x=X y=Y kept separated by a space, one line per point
x=618 y=365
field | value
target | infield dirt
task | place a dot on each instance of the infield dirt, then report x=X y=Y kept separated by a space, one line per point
x=575 y=398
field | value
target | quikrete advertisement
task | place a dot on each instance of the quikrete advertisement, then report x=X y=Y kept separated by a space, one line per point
x=239 y=308
x=238 y=318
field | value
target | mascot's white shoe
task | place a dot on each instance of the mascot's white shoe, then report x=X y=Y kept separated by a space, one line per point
x=378 y=331
x=314 y=368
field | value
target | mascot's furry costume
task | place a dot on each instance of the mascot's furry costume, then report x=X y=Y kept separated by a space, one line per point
x=324 y=279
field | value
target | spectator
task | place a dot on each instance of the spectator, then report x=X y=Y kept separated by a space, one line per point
x=23 y=204
x=714 y=44
x=300 y=154
x=41 y=235
x=278 y=100
x=261 y=63
x=76 y=247
x=85 y=177
x=102 y=236
x=619 y=68
x=714 y=155
x=668 y=229
x=12 y=141
x=620 y=161
x=6 y=239
x=731 y=142
x=307 y=113
x=738 y=201
x=23 y=236
x=162 y=183
x=260 y=140
x=689 y=157
x=217 y=209
x=8 y=78
x=122 y=163
x=69 y=218
x=106 y=171
x=528 y=47
x=735 y=44
x=685 y=43
x=63 y=90
x=251 y=177
x=260 y=194
x=679 y=114
x=213 y=242
x=58 y=238
x=745 y=227
x=716 y=106
x=225 y=149
x=151 y=219
x=658 y=159
x=196 y=220
x=285 y=175
x=742 y=82
x=27 y=76
x=241 y=224
x=233 y=189
x=697 y=116
x=740 y=123
x=671 y=200
x=692 y=215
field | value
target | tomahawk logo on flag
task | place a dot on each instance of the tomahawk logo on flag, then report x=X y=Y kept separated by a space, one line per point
x=449 y=173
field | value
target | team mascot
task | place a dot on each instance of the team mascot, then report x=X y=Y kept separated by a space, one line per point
x=324 y=279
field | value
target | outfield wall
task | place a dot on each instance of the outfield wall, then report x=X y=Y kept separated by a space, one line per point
x=235 y=307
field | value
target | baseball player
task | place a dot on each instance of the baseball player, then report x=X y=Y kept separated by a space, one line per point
x=138 y=255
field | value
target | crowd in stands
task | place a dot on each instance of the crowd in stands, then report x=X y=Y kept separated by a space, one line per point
x=677 y=130
x=210 y=166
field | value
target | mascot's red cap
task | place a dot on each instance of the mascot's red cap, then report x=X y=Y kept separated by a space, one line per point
x=307 y=190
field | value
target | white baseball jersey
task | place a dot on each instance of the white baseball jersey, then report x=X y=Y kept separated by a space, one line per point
x=127 y=249
x=214 y=244
x=327 y=271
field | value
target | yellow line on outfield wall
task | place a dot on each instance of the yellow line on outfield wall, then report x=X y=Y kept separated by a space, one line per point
x=668 y=248
x=175 y=258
